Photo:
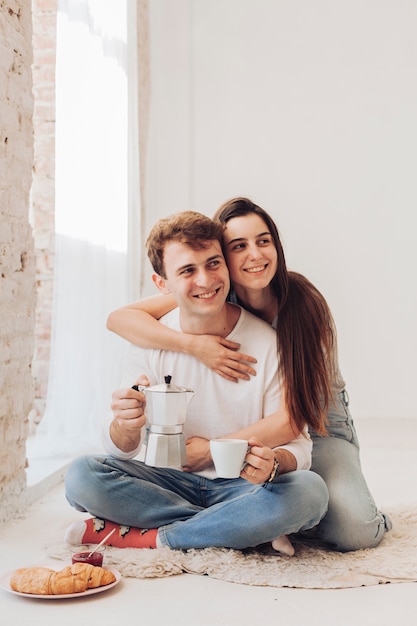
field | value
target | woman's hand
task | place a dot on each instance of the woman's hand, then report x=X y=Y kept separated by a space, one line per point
x=259 y=462
x=222 y=356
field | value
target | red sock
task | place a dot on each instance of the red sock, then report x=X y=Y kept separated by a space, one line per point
x=124 y=537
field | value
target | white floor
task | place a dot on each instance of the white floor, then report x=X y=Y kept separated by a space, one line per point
x=388 y=457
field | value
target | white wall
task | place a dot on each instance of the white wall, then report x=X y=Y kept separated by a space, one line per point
x=310 y=109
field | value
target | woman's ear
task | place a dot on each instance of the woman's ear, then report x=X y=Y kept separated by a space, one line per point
x=160 y=283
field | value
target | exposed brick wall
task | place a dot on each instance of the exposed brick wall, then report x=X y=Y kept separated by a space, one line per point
x=17 y=262
x=43 y=189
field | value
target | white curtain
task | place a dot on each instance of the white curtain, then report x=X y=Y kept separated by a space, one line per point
x=92 y=274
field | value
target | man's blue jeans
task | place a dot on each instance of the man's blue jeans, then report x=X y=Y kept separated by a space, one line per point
x=191 y=511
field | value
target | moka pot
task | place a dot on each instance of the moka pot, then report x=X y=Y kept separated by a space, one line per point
x=166 y=409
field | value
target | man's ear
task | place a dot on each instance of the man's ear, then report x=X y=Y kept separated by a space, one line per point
x=160 y=283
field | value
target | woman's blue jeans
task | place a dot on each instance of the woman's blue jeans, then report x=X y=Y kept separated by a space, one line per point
x=191 y=511
x=353 y=521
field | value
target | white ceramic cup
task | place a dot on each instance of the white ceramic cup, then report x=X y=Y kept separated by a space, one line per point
x=228 y=456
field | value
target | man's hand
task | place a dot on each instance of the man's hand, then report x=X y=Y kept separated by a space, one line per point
x=128 y=406
x=198 y=454
x=260 y=461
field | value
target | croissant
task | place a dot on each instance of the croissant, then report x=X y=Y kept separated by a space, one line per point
x=71 y=579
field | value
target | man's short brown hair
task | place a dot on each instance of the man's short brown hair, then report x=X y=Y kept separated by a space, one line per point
x=189 y=227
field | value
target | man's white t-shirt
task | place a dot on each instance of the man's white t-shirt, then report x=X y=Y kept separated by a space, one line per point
x=219 y=407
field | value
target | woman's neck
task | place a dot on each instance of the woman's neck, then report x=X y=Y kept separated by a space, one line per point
x=261 y=302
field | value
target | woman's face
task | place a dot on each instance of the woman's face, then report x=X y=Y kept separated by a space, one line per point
x=250 y=252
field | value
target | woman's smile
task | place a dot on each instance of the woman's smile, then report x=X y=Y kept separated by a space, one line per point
x=255 y=270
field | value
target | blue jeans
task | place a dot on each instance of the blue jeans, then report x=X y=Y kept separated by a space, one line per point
x=191 y=511
x=353 y=521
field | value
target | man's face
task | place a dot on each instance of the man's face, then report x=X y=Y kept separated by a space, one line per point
x=198 y=279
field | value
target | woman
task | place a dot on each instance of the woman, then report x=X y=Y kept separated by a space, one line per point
x=313 y=388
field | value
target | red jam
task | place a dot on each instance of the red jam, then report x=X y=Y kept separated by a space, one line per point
x=82 y=557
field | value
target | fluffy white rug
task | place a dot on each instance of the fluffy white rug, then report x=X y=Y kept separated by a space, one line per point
x=312 y=567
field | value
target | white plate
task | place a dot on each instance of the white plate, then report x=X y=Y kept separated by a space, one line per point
x=5 y=584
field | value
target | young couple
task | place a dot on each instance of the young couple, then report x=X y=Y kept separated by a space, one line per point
x=298 y=385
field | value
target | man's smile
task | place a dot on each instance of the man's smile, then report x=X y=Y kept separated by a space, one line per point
x=207 y=294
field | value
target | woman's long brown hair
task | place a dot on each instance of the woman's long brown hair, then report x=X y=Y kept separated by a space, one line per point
x=306 y=335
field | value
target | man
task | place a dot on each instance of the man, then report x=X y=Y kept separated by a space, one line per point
x=153 y=507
